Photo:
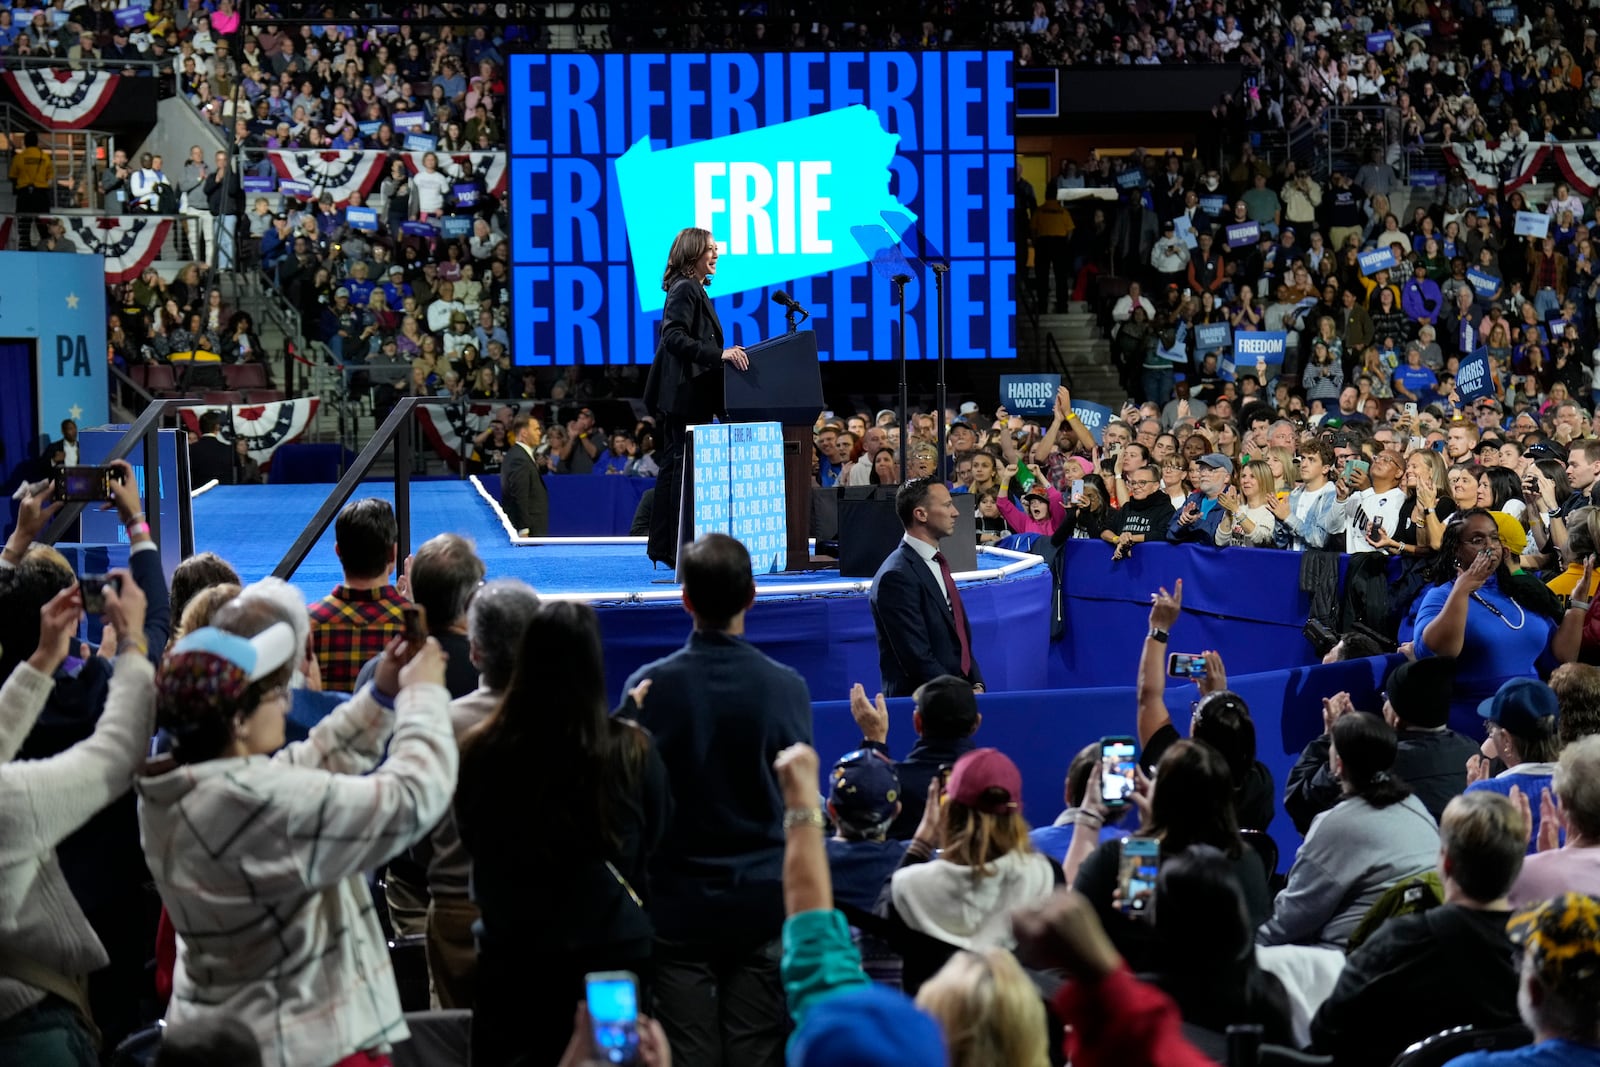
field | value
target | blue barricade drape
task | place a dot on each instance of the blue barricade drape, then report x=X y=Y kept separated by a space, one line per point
x=1041 y=731
x=18 y=430
x=587 y=505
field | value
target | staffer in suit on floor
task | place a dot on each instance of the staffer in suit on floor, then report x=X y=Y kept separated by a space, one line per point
x=916 y=609
x=210 y=458
x=681 y=389
x=522 y=492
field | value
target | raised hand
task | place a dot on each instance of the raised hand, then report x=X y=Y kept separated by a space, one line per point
x=1215 y=679
x=797 y=771
x=58 y=621
x=872 y=716
x=1165 y=607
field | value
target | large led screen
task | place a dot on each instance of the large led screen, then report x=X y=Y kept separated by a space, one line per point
x=813 y=171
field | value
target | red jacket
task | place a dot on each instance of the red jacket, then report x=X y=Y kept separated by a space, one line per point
x=1122 y=1022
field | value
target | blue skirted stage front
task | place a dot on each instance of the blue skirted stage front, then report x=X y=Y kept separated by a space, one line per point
x=1047 y=699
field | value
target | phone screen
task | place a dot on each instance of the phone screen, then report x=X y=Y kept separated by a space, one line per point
x=1119 y=758
x=1141 y=864
x=1186 y=665
x=613 y=999
x=416 y=621
x=1077 y=487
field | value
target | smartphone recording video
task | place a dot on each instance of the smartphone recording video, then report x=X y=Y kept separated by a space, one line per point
x=1141 y=864
x=1186 y=665
x=1119 y=758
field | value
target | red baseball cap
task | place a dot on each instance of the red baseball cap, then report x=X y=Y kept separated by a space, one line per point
x=987 y=780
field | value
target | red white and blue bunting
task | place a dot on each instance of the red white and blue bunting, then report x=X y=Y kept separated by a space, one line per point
x=336 y=173
x=450 y=428
x=490 y=166
x=129 y=243
x=61 y=99
x=1580 y=162
x=1498 y=165
x=265 y=427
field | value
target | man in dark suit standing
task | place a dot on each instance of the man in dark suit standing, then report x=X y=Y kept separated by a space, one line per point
x=682 y=390
x=210 y=458
x=720 y=711
x=522 y=492
x=916 y=609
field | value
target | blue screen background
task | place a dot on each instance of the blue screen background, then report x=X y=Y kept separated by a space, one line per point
x=577 y=279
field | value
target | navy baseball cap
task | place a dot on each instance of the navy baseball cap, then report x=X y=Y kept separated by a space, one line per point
x=1521 y=707
x=863 y=787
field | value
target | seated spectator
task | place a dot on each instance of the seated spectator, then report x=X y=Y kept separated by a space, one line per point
x=1082 y=806
x=989 y=1009
x=1558 y=989
x=1377 y=835
x=985 y=866
x=1190 y=802
x=1522 y=735
x=1448 y=966
x=1430 y=757
x=356 y=621
x=1221 y=718
x=300 y=957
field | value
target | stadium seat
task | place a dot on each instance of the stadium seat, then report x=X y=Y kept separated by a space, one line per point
x=160 y=379
x=263 y=396
x=1445 y=1046
x=225 y=397
x=244 y=376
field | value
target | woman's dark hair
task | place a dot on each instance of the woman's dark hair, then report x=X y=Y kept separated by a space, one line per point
x=1366 y=746
x=1504 y=486
x=687 y=248
x=1556 y=471
x=553 y=716
x=200 y=571
x=1193 y=801
x=1098 y=483
x=872 y=475
x=1222 y=720
x=25 y=589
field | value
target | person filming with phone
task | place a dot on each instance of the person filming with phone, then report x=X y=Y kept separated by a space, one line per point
x=1372 y=514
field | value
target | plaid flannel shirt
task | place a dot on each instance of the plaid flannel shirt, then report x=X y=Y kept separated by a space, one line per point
x=349 y=627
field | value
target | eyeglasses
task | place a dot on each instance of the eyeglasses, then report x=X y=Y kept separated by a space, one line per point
x=1142 y=483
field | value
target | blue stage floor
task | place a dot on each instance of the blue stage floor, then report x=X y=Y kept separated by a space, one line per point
x=827 y=637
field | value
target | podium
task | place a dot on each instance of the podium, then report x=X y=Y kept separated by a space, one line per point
x=783 y=385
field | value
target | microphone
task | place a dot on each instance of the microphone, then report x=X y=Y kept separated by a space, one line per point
x=785 y=300
x=939 y=268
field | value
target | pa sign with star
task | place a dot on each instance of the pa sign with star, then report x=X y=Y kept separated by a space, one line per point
x=58 y=303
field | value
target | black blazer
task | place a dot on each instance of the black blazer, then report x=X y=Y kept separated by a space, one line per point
x=680 y=382
x=917 y=638
x=522 y=493
x=210 y=458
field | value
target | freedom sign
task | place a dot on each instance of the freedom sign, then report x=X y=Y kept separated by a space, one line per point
x=1212 y=336
x=361 y=218
x=1130 y=179
x=1483 y=285
x=1029 y=394
x=1095 y=417
x=1243 y=233
x=1378 y=259
x=1532 y=224
x=1472 y=377
x=1260 y=345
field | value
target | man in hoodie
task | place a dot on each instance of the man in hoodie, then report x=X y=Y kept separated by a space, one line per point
x=1200 y=516
x=1444 y=967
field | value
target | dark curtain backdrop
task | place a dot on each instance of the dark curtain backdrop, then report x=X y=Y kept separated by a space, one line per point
x=18 y=425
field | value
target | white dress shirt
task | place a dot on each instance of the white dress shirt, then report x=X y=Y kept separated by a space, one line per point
x=927 y=552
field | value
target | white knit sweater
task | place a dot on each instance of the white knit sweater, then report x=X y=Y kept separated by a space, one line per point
x=259 y=863
x=44 y=801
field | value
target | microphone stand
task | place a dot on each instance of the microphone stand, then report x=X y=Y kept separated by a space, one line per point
x=939 y=398
x=899 y=281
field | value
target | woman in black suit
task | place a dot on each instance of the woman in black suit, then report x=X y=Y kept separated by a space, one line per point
x=679 y=391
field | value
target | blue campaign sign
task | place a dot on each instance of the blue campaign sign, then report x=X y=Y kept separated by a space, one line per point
x=1130 y=179
x=1226 y=370
x=1029 y=394
x=410 y=120
x=1213 y=203
x=1249 y=348
x=1095 y=417
x=1505 y=16
x=466 y=194
x=451 y=226
x=258 y=183
x=1243 y=233
x=1377 y=259
x=59 y=303
x=129 y=18
x=1212 y=336
x=790 y=160
x=1484 y=285
x=1179 y=351
x=1376 y=41
x=361 y=218
x=1533 y=224
x=369 y=129
x=1427 y=179
x=1185 y=229
x=1472 y=376
x=419 y=229
x=421 y=142
x=290 y=187
x=1422 y=29
x=737 y=476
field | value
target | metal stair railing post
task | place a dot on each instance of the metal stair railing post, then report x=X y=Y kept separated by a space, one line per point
x=143 y=430
x=397 y=428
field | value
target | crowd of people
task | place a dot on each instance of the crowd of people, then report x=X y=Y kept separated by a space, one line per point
x=300 y=783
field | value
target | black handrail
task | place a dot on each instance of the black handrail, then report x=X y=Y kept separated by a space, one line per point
x=144 y=428
x=397 y=427
x=1054 y=351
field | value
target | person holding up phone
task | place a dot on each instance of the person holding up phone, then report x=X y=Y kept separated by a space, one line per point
x=1372 y=515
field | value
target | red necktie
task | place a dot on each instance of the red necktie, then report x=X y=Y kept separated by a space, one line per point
x=957 y=610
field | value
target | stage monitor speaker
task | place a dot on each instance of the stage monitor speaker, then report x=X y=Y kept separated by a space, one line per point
x=869 y=530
